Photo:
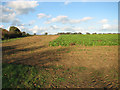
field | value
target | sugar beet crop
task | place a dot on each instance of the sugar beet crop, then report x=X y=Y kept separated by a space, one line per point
x=87 y=40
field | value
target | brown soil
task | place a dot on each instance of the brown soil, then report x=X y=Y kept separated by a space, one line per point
x=101 y=62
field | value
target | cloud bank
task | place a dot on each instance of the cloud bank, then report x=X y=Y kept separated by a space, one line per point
x=66 y=20
x=42 y=15
x=22 y=7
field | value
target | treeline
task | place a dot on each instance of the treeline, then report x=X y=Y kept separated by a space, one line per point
x=13 y=32
x=81 y=33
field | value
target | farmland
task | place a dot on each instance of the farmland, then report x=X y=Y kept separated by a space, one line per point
x=51 y=61
x=87 y=40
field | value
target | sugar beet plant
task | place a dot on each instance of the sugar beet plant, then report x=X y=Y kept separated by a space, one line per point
x=87 y=40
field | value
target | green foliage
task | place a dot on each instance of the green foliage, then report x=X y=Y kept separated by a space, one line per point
x=87 y=33
x=5 y=34
x=46 y=33
x=17 y=75
x=12 y=39
x=25 y=76
x=13 y=32
x=14 y=29
x=87 y=40
x=34 y=33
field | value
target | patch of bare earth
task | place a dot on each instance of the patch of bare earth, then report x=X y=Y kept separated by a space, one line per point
x=86 y=66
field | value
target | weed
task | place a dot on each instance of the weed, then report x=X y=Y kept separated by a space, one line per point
x=8 y=40
x=67 y=51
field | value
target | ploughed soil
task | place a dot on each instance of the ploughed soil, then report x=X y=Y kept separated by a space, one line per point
x=86 y=66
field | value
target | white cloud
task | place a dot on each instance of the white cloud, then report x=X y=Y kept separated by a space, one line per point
x=22 y=7
x=11 y=9
x=86 y=18
x=6 y=15
x=6 y=9
x=115 y=21
x=16 y=22
x=106 y=26
x=34 y=29
x=91 y=27
x=65 y=20
x=104 y=21
x=6 y=18
x=62 y=19
x=74 y=29
x=66 y=2
x=42 y=15
x=80 y=20
x=37 y=29
x=54 y=27
x=67 y=29
x=109 y=27
x=21 y=27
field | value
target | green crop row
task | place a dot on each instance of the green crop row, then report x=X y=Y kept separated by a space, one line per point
x=87 y=40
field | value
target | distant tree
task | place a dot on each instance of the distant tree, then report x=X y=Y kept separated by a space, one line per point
x=79 y=33
x=68 y=33
x=61 y=33
x=94 y=33
x=24 y=34
x=109 y=33
x=75 y=33
x=46 y=33
x=34 y=33
x=87 y=33
x=28 y=34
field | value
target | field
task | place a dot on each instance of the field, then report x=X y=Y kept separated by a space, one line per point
x=87 y=40
x=66 y=61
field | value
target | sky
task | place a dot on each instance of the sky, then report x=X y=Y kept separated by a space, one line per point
x=55 y=17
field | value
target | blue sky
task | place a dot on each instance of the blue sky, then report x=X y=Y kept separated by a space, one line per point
x=54 y=17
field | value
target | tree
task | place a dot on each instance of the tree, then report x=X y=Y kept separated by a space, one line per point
x=5 y=34
x=14 y=29
x=24 y=34
x=14 y=32
x=75 y=33
x=34 y=33
x=46 y=33
x=79 y=33
x=28 y=34
x=68 y=33
x=94 y=33
x=87 y=33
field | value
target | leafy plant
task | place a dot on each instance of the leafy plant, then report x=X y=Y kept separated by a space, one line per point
x=87 y=40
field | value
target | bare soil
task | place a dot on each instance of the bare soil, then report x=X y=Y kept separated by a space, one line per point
x=100 y=63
